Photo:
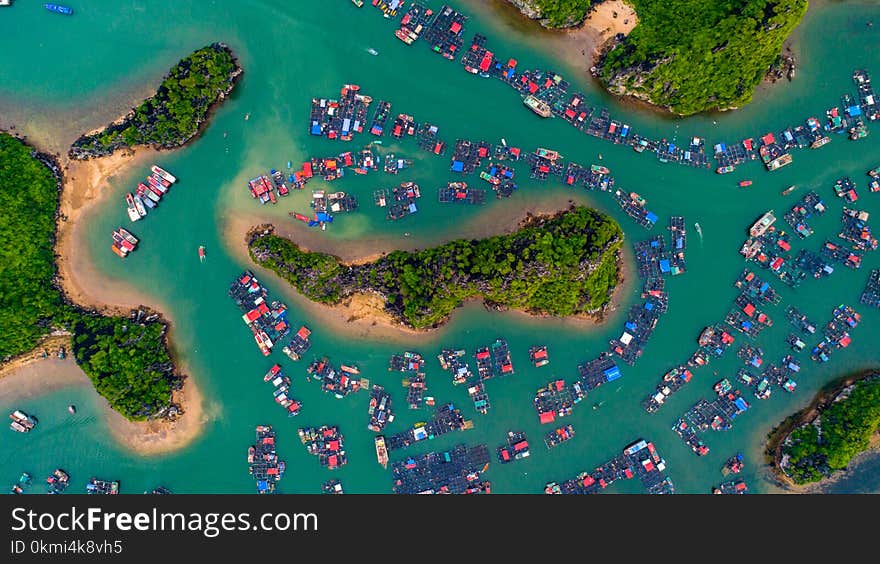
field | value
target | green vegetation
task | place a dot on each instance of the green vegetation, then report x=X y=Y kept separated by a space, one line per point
x=127 y=360
x=556 y=13
x=696 y=55
x=562 y=265
x=29 y=298
x=843 y=430
x=174 y=114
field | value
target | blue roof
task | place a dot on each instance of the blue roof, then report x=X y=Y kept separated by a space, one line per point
x=664 y=265
x=651 y=216
x=764 y=286
x=649 y=306
x=741 y=404
x=655 y=243
x=457 y=166
x=316 y=128
x=630 y=325
x=612 y=374
x=854 y=111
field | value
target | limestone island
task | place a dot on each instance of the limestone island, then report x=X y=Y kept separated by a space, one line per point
x=686 y=56
x=126 y=357
x=817 y=443
x=566 y=264
x=178 y=110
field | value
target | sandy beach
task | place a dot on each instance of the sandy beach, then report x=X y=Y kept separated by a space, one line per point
x=363 y=315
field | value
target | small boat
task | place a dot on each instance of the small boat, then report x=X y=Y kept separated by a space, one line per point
x=358 y=3
x=724 y=169
x=744 y=183
x=699 y=229
x=289 y=164
x=21 y=421
x=381 y=451
x=164 y=174
x=128 y=236
x=139 y=206
x=59 y=9
x=760 y=227
x=202 y=253
x=120 y=252
x=132 y=210
x=789 y=190
x=538 y=106
x=71 y=409
x=372 y=51
x=599 y=169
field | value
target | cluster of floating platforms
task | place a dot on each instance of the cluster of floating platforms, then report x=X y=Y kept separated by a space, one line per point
x=653 y=260
x=400 y=201
x=871 y=294
x=412 y=364
x=714 y=340
x=264 y=188
x=639 y=459
x=453 y=361
x=446 y=418
x=333 y=486
x=263 y=461
x=856 y=230
x=339 y=382
x=770 y=248
x=500 y=177
x=641 y=321
x=731 y=487
x=517 y=447
x=461 y=193
x=467 y=157
x=810 y=204
x=845 y=188
x=102 y=487
x=456 y=471
x=281 y=390
x=57 y=481
x=340 y=119
x=267 y=321
x=671 y=382
x=557 y=399
x=379 y=409
x=559 y=435
x=836 y=332
x=635 y=206
x=717 y=415
x=299 y=345
x=326 y=443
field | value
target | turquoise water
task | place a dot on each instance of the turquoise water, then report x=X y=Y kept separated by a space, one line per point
x=292 y=53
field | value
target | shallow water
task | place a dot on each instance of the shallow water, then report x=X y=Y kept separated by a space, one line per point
x=292 y=53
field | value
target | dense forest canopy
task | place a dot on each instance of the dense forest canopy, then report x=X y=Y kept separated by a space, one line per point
x=843 y=431
x=697 y=55
x=29 y=300
x=564 y=265
x=127 y=360
x=174 y=114
x=558 y=13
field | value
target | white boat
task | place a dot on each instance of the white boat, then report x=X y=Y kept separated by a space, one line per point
x=164 y=174
x=132 y=210
x=139 y=206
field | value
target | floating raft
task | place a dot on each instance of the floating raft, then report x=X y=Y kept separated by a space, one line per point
x=102 y=487
x=299 y=345
x=559 y=435
x=340 y=119
x=517 y=447
x=447 y=418
x=639 y=459
x=871 y=294
x=412 y=364
x=557 y=399
x=641 y=322
x=340 y=382
x=379 y=409
x=461 y=193
x=445 y=33
x=263 y=461
x=717 y=415
x=57 y=481
x=333 y=486
x=325 y=442
x=805 y=208
x=453 y=361
x=281 y=391
x=836 y=332
x=456 y=471
x=267 y=321
x=672 y=381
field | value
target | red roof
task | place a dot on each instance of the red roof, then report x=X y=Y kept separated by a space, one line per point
x=560 y=384
x=649 y=466
x=776 y=264
x=533 y=87
x=333 y=445
x=507 y=368
x=263 y=308
x=844 y=342
x=569 y=113
x=483 y=354
x=547 y=417
x=303 y=332
x=589 y=480
x=455 y=27
x=628 y=473
x=748 y=144
x=252 y=315
x=784 y=245
x=749 y=310
x=505 y=454
x=521 y=445
x=768 y=139
x=307 y=169
x=483 y=151
x=332 y=461
x=511 y=63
